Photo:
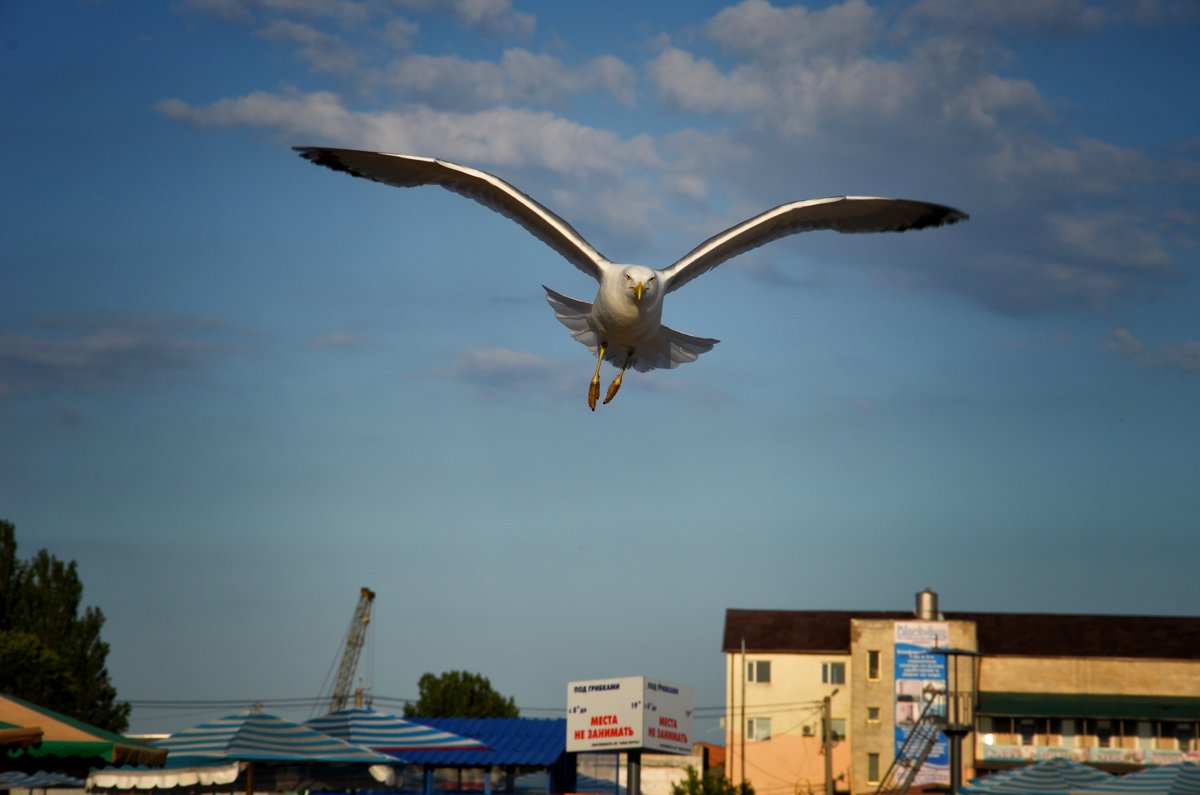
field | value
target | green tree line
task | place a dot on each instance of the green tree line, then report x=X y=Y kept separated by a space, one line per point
x=51 y=653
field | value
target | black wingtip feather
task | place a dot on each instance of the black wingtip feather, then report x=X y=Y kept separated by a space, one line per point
x=326 y=157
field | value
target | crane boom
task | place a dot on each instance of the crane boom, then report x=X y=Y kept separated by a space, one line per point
x=355 y=636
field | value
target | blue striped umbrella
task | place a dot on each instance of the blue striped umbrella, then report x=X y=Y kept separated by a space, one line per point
x=15 y=779
x=1050 y=777
x=380 y=731
x=1180 y=778
x=257 y=736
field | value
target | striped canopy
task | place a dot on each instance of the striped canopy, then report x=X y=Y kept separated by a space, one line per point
x=1050 y=777
x=383 y=732
x=1181 y=778
x=15 y=779
x=257 y=736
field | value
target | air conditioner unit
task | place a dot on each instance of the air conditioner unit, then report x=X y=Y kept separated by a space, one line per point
x=807 y=731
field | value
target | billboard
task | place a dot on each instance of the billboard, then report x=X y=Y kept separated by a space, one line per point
x=629 y=713
x=919 y=675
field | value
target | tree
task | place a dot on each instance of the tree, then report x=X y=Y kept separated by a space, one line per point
x=51 y=654
x=458 y=694
x=713 y=782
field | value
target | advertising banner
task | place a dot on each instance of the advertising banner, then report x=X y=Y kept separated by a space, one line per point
x=919 y=676
x=629 y=713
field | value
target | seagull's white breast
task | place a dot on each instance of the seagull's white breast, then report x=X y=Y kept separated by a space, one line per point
x=621 y=319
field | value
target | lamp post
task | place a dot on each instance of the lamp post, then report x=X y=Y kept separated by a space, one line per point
x=960 y=709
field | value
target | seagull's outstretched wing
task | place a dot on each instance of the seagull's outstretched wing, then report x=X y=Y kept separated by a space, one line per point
x=839 y=213
x=404 y=171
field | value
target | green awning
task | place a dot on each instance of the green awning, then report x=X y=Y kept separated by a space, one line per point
x=68 y=738
x=67 y=748
x=1100 y=706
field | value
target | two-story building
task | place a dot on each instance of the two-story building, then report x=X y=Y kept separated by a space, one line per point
x=1119 y=692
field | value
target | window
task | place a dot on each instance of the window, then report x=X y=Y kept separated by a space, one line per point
x=758 y=671
x=833 y=673
x=758 y=728
x=872 y=768
x=1069 y=732
x=1104 y=733
x=1027 y=731
x=1145 y=735
x=1185 y=733
x=872 y=714
x=873 y=665
x=837 y=729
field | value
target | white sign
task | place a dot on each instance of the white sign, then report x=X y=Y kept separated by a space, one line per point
x=629 y=713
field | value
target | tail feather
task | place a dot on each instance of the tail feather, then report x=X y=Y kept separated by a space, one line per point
x=574 y=314
x=671 y=349
x=668 y=350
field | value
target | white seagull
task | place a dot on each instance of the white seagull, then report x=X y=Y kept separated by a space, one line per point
x=623 y=325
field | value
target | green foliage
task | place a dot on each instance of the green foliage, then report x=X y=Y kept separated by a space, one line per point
x=713 y=782
x=458 y=694
x=51 y=654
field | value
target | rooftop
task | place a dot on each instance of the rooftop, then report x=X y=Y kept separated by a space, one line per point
x=1012 y=634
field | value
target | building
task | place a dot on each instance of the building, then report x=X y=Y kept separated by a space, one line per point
x=1120 y=692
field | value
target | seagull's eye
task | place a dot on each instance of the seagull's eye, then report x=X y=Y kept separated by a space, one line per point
x=628 y=278
x=652 y=278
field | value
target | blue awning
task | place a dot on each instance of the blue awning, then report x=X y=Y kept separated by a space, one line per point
x=534 y=742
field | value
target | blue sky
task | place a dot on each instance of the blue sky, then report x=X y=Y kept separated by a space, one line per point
x=236 y=388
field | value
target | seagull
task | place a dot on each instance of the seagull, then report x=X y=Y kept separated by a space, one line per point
x=623 y=324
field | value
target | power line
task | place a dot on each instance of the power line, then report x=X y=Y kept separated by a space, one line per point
x=700 y=713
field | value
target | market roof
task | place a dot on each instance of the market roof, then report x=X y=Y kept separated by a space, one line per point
x=1087 y=705
x=1016 y=634
x=533 y=742
x=64 y=736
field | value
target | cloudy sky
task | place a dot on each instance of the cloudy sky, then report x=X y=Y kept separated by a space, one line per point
x=236 y=388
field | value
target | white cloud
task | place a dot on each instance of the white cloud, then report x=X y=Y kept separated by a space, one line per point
x=519 y=78
x=991 y=100
x=503 y=136
x=1002 y=17
x=693 y=84
x=498 y=372
x=1113 y=238
x=496 y=17
x=347 y=11
x=102 y=354
x=399 y=33
x=1182 y=356
x=1123 y=342
x=757 y=29
x=323 y=51
x=1089 y=166
x=246 y=12
x=240 y=12
x=850 y=98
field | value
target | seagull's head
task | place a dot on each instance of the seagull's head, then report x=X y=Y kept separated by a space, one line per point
x=640 y=282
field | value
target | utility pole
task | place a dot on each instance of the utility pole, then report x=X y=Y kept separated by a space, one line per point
x=743 y=718
x=827 y=740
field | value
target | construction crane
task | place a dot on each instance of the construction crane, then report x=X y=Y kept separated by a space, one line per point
x=351 y=648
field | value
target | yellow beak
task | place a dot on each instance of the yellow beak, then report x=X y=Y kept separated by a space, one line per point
x=638 y=289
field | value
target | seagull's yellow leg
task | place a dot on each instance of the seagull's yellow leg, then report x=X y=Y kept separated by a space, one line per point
x=616 y=384
x=594 y=387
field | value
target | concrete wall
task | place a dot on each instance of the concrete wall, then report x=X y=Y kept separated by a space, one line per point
x=1109 y=675
x=791 y=761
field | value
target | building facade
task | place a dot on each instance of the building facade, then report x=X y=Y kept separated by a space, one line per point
x=1119 y=692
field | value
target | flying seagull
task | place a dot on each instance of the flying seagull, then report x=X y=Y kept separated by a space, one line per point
x=623 y=325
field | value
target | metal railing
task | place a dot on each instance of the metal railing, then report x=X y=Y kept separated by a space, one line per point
x=921 y=739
